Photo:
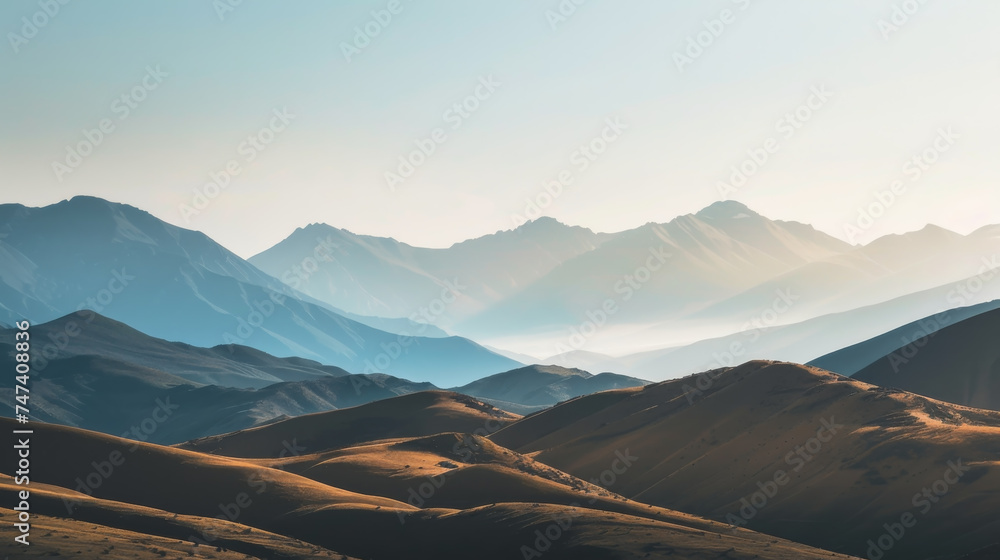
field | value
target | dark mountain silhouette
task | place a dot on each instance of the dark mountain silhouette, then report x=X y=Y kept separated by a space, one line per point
x=959 y=364
x=850 y=360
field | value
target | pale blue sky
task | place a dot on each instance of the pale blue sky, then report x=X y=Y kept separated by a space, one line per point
x=225 y=77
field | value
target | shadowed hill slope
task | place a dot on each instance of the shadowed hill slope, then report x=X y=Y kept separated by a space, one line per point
x=852 y=456
x=851 y=360
x=959 y=364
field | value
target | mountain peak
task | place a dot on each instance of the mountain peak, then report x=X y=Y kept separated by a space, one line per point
x=543 y=222
x=726 y=210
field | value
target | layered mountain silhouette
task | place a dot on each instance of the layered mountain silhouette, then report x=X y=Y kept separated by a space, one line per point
x=103 y=375
x=849 y=361
x=801 y=342
x=114 y=397
x=176 y=284
x=959 y=363
x=88 y=333
x=188 y=403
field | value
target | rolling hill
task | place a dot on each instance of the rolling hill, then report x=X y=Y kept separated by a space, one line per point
x=156 y=501
x=787 y=450
x=534 y=388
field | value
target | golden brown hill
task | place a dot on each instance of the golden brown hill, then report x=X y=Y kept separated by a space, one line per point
x=170 y=479
x=818 y=458
x=138 y=499
x=414 y=415
x=461 y=471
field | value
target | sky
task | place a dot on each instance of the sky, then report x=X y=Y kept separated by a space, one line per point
x=246 y=120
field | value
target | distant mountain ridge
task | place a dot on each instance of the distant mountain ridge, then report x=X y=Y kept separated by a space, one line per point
x=530 y=289
x=384 y=277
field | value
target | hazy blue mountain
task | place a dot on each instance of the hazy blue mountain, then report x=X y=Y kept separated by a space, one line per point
x=959 y=364
x=536 y=387
x=700 y=276
x=178 y=284
x=885 y=269
x=848 y=361
x=384 y=277
x=803 y=341
x=660 y=272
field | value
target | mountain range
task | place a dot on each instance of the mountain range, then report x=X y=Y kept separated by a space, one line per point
x=177 y=284
x=654 y=302
x=552 y=291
